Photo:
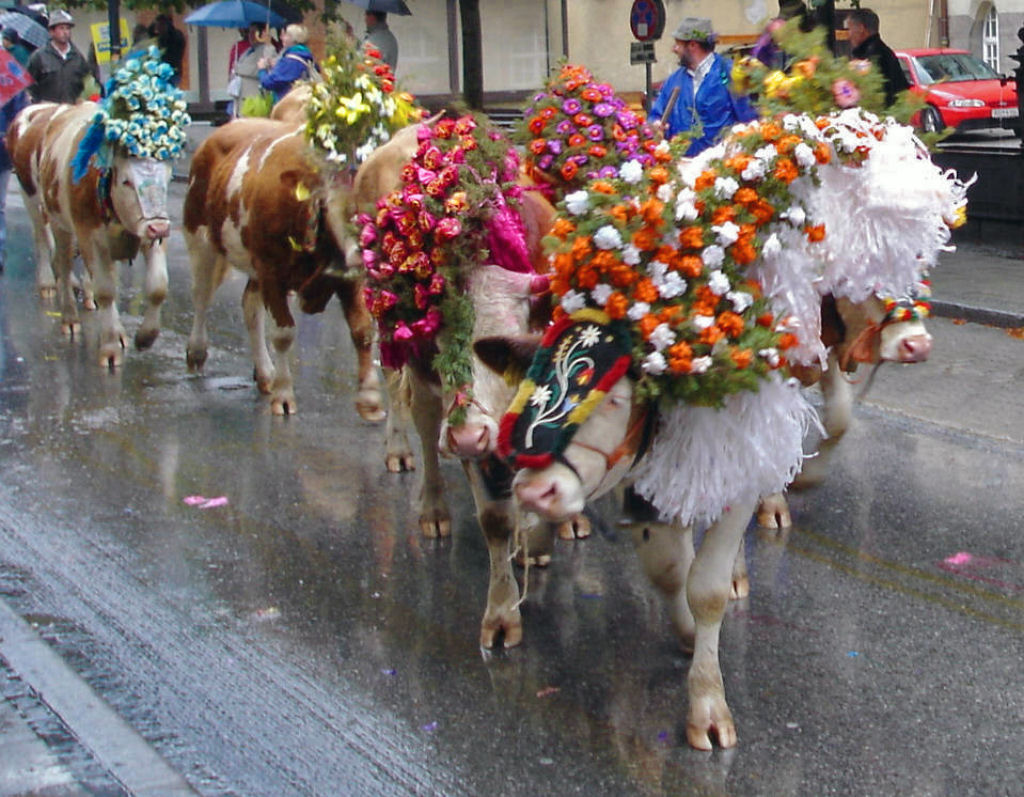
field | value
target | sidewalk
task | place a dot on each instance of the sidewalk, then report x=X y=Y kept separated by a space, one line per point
x=980 y=285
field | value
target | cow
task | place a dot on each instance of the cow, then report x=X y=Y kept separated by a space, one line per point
x=257 y=202
x=111 y=214
x=578 y=428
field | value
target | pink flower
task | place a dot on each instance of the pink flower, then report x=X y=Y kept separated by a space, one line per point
x=427 y=326
x=425 y=176
x=447 y=229
x=367 y=235
x=436 y=284
x=426 y=220
x=421 y=296
x=401 y=332
x=369 y=258
x=845 y=93
x=432 y=158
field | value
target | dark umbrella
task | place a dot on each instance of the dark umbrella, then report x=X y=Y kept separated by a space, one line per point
x=28 y=29
x=385 y=6
x=235 y=14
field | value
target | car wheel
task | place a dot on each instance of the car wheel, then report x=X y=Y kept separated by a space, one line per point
x=931 y=121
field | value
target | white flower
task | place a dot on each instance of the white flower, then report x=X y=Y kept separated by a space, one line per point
x=804 y=155
x=686 y=211
x=541 y=395
x=741 y=300
x=662 y=337
x=700 y=364
x=654 y=363
x=590 y=336
x=755 y=170
x=791 y=121
x=664 y=192
x=662 y=148
x=771 y=356
x=725 y=187
x=607 y=238
x=672 y=285
x=701 y=322
x=728 y=233
x=718 y=283
x=767 y=153
x=578 y=202
x=573 y=301
x=796 y=215
x=631 y=171
x=630 y=255
x=638 y=311
x=713 y=256
x=601 y=293
x=657 y=270
x=772 y=246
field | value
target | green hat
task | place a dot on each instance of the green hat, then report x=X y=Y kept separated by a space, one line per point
x=694 y=29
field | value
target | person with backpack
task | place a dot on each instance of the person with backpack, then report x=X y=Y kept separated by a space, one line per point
x=296 y=62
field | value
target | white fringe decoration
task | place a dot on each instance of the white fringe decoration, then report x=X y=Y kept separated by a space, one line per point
x=703 y=460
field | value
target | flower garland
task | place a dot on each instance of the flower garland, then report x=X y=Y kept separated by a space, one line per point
x=578 y=129
x=356 y=107
x=914 y=307
x=143 y=113
x=455 y=192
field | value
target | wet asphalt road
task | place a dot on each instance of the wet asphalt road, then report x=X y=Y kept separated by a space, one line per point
x=301 y=638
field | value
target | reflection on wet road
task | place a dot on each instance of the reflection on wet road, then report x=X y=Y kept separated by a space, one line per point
x=253 y=595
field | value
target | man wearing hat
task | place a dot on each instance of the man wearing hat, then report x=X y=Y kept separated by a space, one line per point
x=59 y=69
x=697 y=95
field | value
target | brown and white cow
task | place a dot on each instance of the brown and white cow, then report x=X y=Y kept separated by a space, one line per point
x=111 y=215
x=257 y=202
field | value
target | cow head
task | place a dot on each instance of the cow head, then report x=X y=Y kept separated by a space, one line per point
x=873 y=331
x=574 y=429
x=138 y=195
x=501 y=302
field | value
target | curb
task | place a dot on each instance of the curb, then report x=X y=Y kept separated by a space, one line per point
x=977 y=315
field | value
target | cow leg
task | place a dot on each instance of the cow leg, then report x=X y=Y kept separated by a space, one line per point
x=836 y=416
x=209 y=270
x=435 y=517
x=43 y=245
x=369 y=401
x=502 y=619
x=740 y=577
x=254 y=313
x=282 y=389
x=70 y=323
x=155 y=255
x=666 y=555
x=398 y=451
x=113 y=339
x=773 y=512
x=707 y=592
x=576 y=528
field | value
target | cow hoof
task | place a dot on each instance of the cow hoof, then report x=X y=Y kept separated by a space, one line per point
x=740 y=588
x=88 y=303
x=533 y=560
x=397 y=463
x=263 y=383
x=145 y=338
x=111 y=357
x=47 y=292
x=506 y=628
x=773 y=513
x=710 y=717
x=433 y=528
x=579 y=528
x=370 y=411
x=72 y=329
x=195 y=359
x=283 y=406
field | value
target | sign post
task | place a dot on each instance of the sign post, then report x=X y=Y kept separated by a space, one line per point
x=647 y=23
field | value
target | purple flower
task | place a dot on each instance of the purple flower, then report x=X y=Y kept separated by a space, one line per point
x=603 y=109
x=545 y=162
x=627 y=119
x=605 y=89
x=595 y=133
x=555 y=146
x=580 y=160
x=607 y=172
x=572 y=106
x=565 y=128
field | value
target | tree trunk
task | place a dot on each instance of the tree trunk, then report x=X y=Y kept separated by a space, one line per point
x=472 y=54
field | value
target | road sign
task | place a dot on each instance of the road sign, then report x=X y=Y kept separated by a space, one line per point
x=647 y=19
x=641 y=53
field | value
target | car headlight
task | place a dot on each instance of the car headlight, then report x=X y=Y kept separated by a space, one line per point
x=966 y=103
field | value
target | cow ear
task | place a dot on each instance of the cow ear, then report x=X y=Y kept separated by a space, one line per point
x=508 y=356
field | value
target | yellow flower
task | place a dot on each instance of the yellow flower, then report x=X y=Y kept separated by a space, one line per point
x=351 y=108
x=772 y=81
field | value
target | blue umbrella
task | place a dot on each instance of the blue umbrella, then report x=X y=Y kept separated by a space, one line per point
x=235 y=14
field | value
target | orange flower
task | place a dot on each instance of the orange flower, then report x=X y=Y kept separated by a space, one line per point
x=569 y=169
x=645 y=291
x=651 y=211
x=665 y=253
x=538 y=145
x=690 y=265
x=705 y=180
x=659 y=175
x=770 y=131
x=587 y=277
x=680 y=357
x=581 y=248
x=766 y=320
x=745 y=196
x=763 y=211
x=786 y=170
x=604 y=260
x=730 y=323
x=616 y=306
x=788 y=340
x=558 y=313
x=591 y=95
x=822 y=153
x=618 y=133
x=742 y=357
x=723 y=214
x=564 y=265
x=563 y=228
x=738 y=163
x=559 y=285
x=711 y=335
x=743 y=252
x=646 y=239
x=620 y=212
x=705 y=301
x=691 y=237
x=815 y=233
x=577 y=140
x=537 y=124
x=787 y=144
x=662 y=154
x=623 y=276
x=648 y=324
x=597 y=151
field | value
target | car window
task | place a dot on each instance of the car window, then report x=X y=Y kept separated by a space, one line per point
x=954 y=68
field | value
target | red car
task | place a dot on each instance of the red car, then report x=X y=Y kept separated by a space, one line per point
x=961 y=90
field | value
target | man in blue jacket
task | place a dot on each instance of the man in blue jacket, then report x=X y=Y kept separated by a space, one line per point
x=697 y=95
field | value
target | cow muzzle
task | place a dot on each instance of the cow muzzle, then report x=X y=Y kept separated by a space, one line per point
x=157 y=229
x=554 y=493
x=905 y=342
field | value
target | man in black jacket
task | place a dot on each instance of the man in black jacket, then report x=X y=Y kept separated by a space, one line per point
x=59 y=69
x=862 y=26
